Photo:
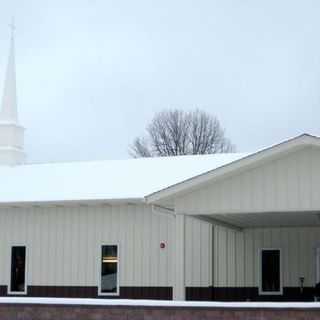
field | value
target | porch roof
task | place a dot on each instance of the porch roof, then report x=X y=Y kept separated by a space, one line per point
x=166 y=195
x=265 y=219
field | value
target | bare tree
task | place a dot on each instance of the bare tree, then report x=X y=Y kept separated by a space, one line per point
x=177 y=132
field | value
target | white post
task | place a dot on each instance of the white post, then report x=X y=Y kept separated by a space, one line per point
x=179 y=259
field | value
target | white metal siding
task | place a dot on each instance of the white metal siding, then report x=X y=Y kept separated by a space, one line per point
x=198 y=256
x=64 y=244
x=290 y=183
x=236 y=255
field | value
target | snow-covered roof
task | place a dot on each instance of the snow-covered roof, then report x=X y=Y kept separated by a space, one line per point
x=113 y=180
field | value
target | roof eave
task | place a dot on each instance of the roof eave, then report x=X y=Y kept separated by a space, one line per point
x=71 y=203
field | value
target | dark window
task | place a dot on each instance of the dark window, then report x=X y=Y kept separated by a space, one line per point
x=109 y=269
x=18 y=269
x=270 y=271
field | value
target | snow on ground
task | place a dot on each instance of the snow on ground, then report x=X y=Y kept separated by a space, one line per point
x=160 y=303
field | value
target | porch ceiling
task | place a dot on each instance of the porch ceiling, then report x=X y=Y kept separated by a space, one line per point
x=269 y=219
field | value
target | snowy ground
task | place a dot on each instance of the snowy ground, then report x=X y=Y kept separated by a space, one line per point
x=159 y=303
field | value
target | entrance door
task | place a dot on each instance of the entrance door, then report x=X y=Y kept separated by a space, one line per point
x=318 y=265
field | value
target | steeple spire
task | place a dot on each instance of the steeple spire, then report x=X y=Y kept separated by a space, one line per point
x=11 y=133
x=9 y=112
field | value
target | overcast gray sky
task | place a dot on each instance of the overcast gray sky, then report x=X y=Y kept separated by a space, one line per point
x=91 y=74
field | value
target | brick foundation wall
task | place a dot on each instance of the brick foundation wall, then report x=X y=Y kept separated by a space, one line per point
x=54 y=312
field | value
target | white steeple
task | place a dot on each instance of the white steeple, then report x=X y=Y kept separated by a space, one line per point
x=11 y=133
x=9 y=102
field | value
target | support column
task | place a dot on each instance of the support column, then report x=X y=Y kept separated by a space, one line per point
x=179 y=290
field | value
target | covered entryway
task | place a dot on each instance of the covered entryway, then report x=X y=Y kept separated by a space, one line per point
x=265 y=212
x=266 y=260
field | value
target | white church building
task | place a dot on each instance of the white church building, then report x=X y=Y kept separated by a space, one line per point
x=214 y=227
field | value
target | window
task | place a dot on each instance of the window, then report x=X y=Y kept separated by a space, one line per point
x=109 y=270
x=270 y=277
x=18 y=270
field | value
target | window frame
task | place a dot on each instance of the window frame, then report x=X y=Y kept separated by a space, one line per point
x=25 y=291
x=270 y=293
x=100 y=293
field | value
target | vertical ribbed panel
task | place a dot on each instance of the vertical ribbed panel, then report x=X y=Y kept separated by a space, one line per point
x=236 y=255
x=63 y=245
